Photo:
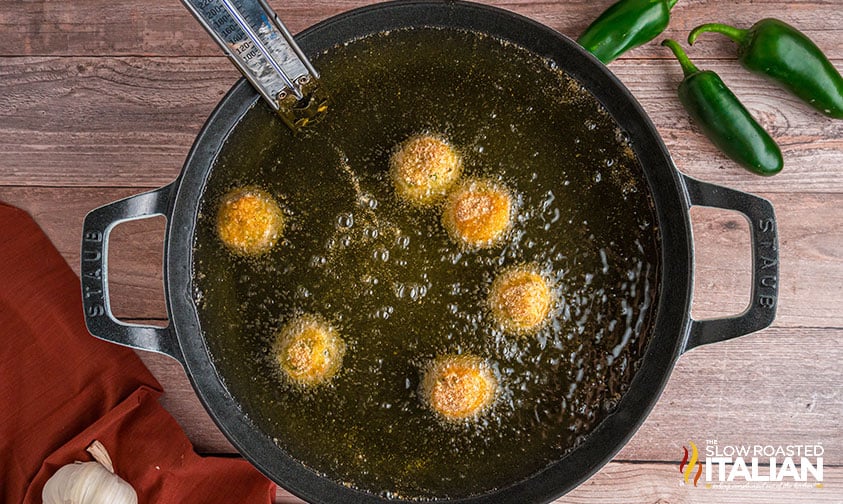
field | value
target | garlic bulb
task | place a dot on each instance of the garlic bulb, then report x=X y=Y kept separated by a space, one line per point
x=89 y=482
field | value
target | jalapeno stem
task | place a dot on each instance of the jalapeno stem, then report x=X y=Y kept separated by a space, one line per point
x=736 y=34
x=688 y=66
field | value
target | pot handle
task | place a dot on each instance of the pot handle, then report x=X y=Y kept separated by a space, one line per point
x=99 y=318
x=765 y=263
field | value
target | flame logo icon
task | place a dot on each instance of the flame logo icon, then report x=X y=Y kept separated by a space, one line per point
x=686 y=467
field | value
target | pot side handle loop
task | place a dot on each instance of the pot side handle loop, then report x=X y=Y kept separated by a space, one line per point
x=765 y=263
x=99 y=318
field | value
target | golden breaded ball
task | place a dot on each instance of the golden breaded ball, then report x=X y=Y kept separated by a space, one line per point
x=309 y=350
x=249 y=221
x=423 y=168
x=520 y=300
x=459 y=387
x=478 y=213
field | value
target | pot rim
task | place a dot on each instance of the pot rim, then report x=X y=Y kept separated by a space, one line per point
x=670 y=325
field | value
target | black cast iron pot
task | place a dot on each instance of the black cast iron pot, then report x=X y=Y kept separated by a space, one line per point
x=674 y=331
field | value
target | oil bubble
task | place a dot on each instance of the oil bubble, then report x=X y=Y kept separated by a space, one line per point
x=345 y=220
x=381 y=254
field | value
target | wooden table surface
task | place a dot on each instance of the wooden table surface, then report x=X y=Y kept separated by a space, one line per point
x=101 y=99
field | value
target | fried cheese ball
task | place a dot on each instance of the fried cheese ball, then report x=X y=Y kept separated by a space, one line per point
x=478 y=213
x=459 y=387
x=520 y=300
x=309 y=350
x=423 y=168
x=249 y=221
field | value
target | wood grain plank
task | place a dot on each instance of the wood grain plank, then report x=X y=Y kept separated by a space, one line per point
x=135 y=255
x=810 y=239
x=812 y=144
x=94 y=121
x=779 y=386
x=121 y=27
x=810 y=226
x=654 y=483
x=131 y=122
x=625 y=483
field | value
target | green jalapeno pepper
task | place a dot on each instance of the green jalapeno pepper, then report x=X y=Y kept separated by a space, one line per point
x=724 y=119
x=624 y=26
x=783 y=53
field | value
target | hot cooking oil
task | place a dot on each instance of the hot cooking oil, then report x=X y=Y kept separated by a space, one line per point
x=400 y=293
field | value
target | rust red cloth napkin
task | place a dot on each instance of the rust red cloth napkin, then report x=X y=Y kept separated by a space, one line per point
x=61 y=388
